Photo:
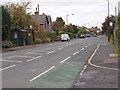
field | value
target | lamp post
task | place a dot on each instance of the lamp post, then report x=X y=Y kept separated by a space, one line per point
x=67 y=18
x=108 y=21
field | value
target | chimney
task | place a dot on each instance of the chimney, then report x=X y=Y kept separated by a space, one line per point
x=36 y=12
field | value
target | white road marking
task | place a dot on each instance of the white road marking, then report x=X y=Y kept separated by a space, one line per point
x=51 y=52
x=89 y=44
x=82 y=71
x=11 y=61
x=60 y=48
x=32 y=53
x=42 y=73
x=82 y=49
x=25 y=56
x=86 y=46
x=65 y=59
x=7 y=67
x=49 y=44
x=10 y=57
x=97 y=66
x=76 y=52
x=33 y=58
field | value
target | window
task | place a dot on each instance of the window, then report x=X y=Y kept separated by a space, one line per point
x=15 y=35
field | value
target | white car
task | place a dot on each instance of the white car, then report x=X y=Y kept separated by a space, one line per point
x=65 y=37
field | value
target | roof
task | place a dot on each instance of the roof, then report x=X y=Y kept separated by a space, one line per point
x=94 y=29
x=40 y=19
x=20 y=30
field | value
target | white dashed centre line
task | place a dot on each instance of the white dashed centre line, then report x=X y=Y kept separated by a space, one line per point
x=82 y=49
x=42 y=73
x=76 y=52
x=65 y=59
x=51 y=52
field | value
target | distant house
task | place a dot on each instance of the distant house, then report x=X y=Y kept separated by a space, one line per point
x=94 y=30
x=42 y=22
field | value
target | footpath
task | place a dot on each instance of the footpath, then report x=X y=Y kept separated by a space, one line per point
x=104 y=73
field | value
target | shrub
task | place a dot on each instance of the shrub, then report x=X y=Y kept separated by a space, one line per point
x=38 y=41
x=48 y=40
x=7 y=44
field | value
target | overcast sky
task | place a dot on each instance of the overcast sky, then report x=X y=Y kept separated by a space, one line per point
x=86 y=12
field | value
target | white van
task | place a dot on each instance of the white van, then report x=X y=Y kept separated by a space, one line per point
x=65 y=37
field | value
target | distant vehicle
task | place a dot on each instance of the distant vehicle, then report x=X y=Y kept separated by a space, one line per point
x=87 y=35
x=57 y=39
x=65 y=37
x=94 y=35
x=82 y=36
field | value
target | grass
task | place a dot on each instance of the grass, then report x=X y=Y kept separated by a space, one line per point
x=117 y=47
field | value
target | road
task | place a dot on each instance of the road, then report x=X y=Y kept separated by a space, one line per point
x=53 y=65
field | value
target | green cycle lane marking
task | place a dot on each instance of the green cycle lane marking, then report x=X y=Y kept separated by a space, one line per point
x=60 y=77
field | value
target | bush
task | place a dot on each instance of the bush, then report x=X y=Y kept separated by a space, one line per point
x=38 y=41
x=7 y=44
x=48 y=40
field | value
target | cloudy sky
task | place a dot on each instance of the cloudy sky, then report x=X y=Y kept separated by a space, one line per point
x=86 y=12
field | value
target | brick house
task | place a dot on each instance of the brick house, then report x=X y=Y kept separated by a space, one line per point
x=43 y=22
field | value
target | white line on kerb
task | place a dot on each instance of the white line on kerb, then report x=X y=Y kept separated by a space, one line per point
x=76 y=52
x=51 y=52
x=97 y=66
x=7 y=67
x=33 y=58
x=65 y=59
x=42 y=73
x=82 y=49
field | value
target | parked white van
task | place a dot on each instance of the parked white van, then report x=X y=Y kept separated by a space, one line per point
x=65 y=37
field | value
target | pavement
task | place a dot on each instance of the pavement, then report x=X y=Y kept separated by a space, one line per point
x=102 y=71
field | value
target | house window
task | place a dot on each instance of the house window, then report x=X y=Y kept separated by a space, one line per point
x=15 y=35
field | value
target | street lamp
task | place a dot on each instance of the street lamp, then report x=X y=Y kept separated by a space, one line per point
x=108 y=21
x=67 y=17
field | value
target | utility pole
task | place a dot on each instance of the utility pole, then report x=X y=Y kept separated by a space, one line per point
x=115 y=11
x=108 y=22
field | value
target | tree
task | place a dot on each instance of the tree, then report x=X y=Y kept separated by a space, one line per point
x=58 y=25
x=6 y=24
x=75 y=29
x=106 y=28
x=68 y=28
x=19 y=17
x=83 y=31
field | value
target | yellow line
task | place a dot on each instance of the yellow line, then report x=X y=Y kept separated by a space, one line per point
x=97 y=66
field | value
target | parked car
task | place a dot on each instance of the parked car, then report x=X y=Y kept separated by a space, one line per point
x=94 y=35
x=57 y=39
x=65 y=37
x=87 y=35
x=82 y=36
